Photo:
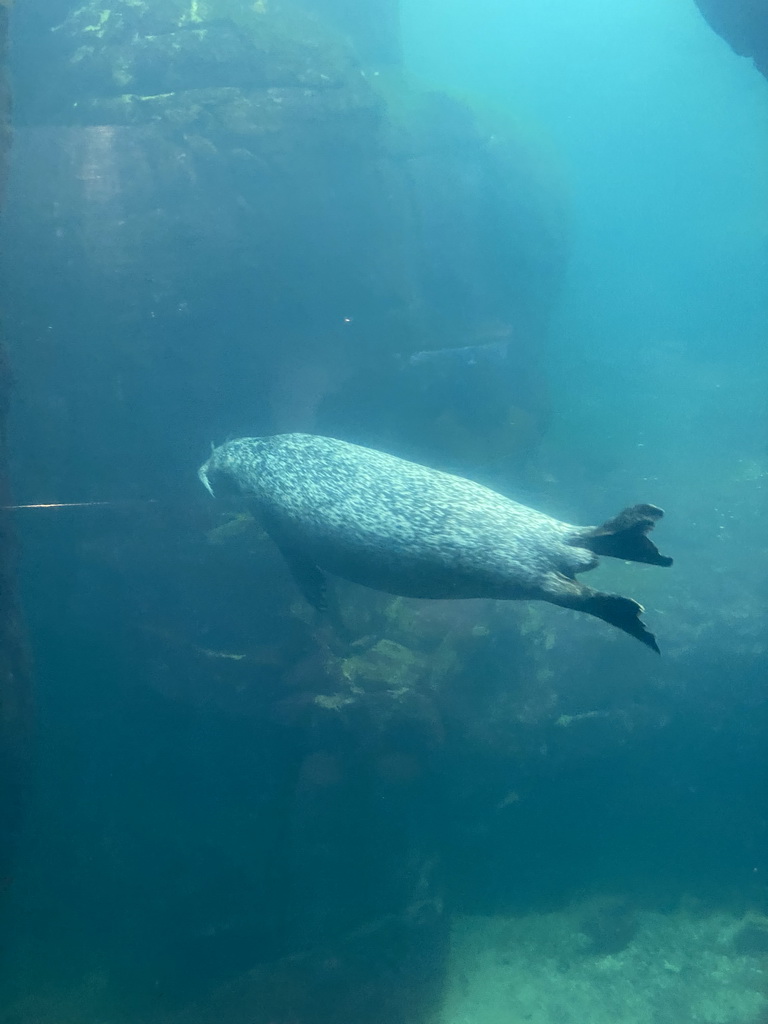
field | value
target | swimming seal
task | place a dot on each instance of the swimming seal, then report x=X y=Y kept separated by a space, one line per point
x=408 y=530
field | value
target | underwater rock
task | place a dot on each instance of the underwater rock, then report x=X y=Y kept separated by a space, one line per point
x=387 y=664
x=610 y=926
x=752 y=938
x=743 y=24
x=469 y=408
x=125 y=59
x=374 y=26
x=183 y=164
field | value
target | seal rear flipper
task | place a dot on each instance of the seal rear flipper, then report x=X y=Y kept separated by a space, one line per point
x=625 y=536
x=622 y=612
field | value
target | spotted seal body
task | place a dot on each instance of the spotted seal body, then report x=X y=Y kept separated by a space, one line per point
x=403 y=528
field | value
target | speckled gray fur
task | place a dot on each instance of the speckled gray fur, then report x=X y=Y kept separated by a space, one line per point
x=403 y=528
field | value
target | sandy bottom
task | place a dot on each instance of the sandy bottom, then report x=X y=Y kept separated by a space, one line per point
x=681 y=968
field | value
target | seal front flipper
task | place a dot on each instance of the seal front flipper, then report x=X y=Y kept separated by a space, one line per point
x=622 y=612
x=308 y=578
x=625 y=536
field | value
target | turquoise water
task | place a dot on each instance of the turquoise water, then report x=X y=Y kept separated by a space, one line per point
x=525 y=242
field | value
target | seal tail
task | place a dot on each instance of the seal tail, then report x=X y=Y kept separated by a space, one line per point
x=625 y=536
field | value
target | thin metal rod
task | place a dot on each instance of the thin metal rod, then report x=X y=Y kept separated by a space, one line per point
x=79 y=504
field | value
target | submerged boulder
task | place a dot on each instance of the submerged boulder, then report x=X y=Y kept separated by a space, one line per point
x=225 y=220
x=244 y=198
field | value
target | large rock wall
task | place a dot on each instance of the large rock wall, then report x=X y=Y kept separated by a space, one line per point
x=240 y=198
x=224 y=220
x=15 y=682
